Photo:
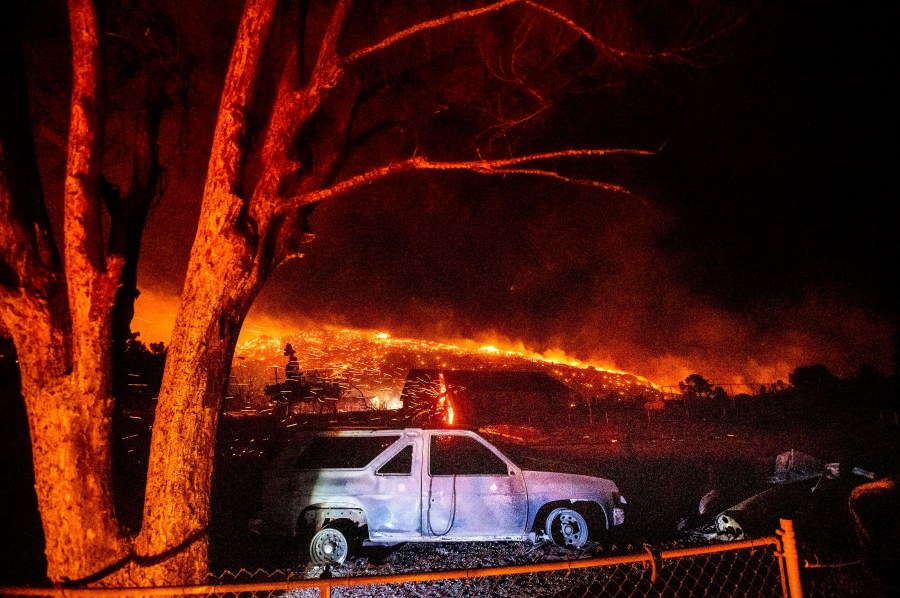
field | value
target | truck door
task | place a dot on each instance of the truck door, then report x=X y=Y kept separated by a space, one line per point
x=471 y=491
x=394 y=509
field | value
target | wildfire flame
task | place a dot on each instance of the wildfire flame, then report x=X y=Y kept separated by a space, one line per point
x=375 y=364
x=444 y=400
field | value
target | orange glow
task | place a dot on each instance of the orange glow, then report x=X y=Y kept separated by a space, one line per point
x=740 y=360
x=154 y=316
x=504 y=347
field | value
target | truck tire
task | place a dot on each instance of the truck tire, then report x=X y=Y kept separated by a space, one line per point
x=567 y=527
x=334 y=543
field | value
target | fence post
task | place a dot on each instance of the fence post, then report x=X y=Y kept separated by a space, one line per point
x=790 y=558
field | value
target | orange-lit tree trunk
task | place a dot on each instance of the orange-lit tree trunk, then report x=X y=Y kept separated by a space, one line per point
x=224 y=275
x=60 y=323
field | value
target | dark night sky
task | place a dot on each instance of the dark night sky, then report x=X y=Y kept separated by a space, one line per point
x=758 y=239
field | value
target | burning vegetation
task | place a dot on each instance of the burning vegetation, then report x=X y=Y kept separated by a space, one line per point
x=371 y=368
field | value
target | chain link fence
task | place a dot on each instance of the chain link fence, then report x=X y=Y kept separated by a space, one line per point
x=759 y=568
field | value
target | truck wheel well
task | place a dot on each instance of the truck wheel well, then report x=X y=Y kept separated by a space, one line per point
x=312 y=519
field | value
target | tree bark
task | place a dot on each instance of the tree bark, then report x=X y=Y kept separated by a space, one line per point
x=222 y=283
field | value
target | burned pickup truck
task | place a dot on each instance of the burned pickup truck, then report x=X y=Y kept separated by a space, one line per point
x=339 y=489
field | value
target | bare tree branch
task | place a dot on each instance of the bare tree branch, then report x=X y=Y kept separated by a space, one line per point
x=425 y=26
x=557 y=176
x=83 y=224
x=294 y=108
x=326 y=71
x=491 y=167
x=674 y=54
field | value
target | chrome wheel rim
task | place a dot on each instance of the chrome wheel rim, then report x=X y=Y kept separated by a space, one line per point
x=567 y=527
x=328 y=546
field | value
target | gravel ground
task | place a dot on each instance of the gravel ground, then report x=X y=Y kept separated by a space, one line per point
x=417 y=557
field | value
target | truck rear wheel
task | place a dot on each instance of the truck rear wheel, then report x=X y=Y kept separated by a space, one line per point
x=330 y=545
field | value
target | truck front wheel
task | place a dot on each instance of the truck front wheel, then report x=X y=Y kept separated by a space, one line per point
x=567 y=527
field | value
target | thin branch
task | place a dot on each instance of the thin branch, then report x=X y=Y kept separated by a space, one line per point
x=515 y=160
x=426 y=25
x=490 y=167
x=552 y=174
x=676 y=54
x=595 y=41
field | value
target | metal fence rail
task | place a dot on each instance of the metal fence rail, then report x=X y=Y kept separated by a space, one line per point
x=762 y=567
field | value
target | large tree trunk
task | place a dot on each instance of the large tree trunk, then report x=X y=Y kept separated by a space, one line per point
x=222 y=282
x=70 y=446
x=64 y=382
x=69 y=418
